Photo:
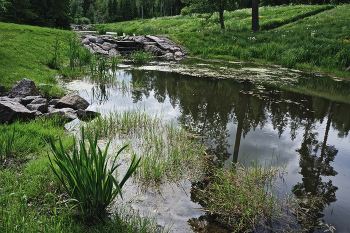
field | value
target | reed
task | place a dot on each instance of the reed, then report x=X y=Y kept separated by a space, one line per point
x=54 y=62
x=140 y=57
x=244 y=196
x=85 y=176
x=6 y=144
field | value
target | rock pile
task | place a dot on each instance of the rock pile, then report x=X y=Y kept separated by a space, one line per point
x=82 y=27
x=25 y=102
x=115 y=46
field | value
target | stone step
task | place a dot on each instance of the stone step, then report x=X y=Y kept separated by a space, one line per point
x=120 y=49
x=127 y=44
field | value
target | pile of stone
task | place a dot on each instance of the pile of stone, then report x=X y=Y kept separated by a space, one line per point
x=82 y=27
x=25 y=102
x=108 y=45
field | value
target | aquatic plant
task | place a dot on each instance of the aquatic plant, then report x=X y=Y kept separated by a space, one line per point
x=140 y=57
x=244 y=196
x=85 y=175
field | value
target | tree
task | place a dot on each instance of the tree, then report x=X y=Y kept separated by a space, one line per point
x=3 y=4
x=210 y=6
x=255 y=15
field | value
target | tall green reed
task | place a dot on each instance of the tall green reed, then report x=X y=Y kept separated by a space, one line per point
x=85 y=175
x=6 y=144
x=54 y=62
x=140 y=57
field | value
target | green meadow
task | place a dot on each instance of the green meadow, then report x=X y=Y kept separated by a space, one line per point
x=308 y=37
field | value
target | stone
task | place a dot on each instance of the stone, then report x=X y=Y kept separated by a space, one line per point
x=106 y=48
x=89 y=48
x=38 y=107
x=110 y=45
x=86 y=114
x=2 y=88
x=174 y=49
x=178 y=54
x=28 y=99
x=154 y=38
x=98 y=49
x=169 y=56
x=72 y=101
x=63 y=114
x=11 y=110
x=86 y=41
x=140 y=39
x=39 y=101
x=108 y=38
x=154 y=49
x=92 y=39
x=23 y=88
x=113 y=53
x=163 y=46
x=53 y=101
x=5 y=98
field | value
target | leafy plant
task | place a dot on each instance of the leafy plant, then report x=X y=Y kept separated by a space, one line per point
x=85 y=176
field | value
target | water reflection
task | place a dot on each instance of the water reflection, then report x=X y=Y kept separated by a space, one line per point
x=238 y=118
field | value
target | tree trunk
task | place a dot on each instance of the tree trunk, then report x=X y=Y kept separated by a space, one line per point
x=221 y=13
x=255 y=15
x=142 y=11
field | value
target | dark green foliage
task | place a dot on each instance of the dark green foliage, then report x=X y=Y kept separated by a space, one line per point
x=49 y=13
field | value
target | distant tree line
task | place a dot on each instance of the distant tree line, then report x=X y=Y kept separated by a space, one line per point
x=61 y=13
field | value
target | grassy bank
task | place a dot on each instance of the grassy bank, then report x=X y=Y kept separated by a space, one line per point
x=309 y=37
x=31 y=197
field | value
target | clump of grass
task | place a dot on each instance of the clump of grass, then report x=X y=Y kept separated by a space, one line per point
x=6 y=143
x=140 y=57
x=85 y=175
x=244 y=196
x=168 y=151
x=102 y=31
x=54 y=61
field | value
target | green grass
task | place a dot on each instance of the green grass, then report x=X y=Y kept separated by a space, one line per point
x=168 y=152
x=303 y=36
x=24 y=52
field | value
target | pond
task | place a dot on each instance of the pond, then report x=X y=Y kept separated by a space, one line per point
x=247 y=110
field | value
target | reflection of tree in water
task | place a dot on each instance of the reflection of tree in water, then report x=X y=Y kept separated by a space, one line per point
x=315 y=159
x=207 y=106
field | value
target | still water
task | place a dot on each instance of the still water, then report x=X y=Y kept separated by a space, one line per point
x=240 y=119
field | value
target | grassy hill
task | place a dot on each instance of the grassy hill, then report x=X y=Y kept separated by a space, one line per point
x=311 y=37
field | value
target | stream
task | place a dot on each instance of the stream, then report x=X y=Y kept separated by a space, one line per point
x=241 y=110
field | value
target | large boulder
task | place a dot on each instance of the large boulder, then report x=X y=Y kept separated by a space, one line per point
x=28 y=99
x=23 y=88
x=72 y=101
x=12 y=110
x=154 y=49
x=63 y=115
